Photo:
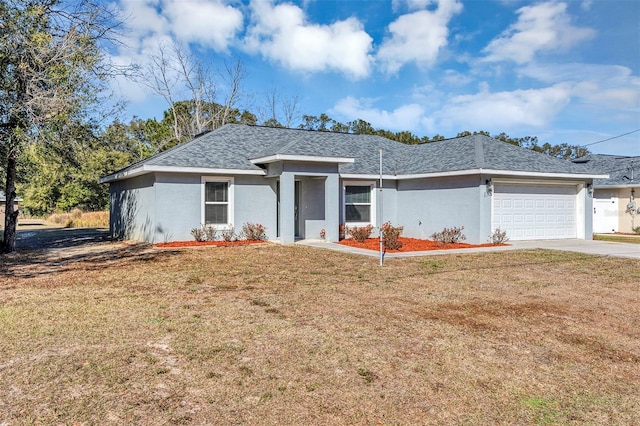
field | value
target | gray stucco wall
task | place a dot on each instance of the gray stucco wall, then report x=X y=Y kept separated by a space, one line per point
x=166 y=207
x=132 y=208
x=426 y=206
x=255 y=202
x=178 y=205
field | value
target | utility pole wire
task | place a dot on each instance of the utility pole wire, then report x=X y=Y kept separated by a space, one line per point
x=614 y=137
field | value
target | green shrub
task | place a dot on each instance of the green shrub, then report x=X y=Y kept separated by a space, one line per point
x=449 y=235
x=360 y=233
x=636 y=229
x=390 y=235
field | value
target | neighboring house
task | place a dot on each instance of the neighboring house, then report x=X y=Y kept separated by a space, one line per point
x=298 y=183
x=615 y=207
x=3 y=201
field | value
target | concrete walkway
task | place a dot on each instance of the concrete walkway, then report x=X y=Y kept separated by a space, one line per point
x=601 y=248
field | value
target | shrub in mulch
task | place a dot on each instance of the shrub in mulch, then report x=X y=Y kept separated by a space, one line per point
x=360 y=233
x=391 y=236
x=412 y=244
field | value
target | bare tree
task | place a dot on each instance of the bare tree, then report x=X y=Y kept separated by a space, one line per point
x=197 y=98
x=279 y=110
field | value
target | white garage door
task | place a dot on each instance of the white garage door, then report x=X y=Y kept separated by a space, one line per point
x=535 y=212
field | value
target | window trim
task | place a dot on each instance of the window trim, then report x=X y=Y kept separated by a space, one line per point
x=372 y=204
x=230 y=200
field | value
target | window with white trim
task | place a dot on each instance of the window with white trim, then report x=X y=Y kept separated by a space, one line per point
x=217 y=197
x=357 y=204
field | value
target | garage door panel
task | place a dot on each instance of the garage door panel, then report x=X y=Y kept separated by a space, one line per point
x=530 y=212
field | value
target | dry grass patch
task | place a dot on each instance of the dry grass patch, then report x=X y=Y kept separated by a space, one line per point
x=292 y=335
x=79 y=219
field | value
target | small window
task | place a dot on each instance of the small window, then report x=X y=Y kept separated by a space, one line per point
x=216 y=202
x=357 y=200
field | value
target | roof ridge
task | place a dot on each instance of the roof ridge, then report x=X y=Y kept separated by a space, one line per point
x=479 y=151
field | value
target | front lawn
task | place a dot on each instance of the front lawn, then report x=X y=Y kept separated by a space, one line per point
x=269 y=334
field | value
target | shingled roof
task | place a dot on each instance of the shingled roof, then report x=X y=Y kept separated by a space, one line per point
x=234 y=146
x=623 y=171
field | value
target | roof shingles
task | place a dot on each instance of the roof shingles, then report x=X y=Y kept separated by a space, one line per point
x=623 y=171
x=233 y=146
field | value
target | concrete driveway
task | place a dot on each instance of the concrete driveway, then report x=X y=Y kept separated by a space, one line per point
x=601 y=248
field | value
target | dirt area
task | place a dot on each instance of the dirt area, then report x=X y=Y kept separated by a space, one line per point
x=41 y=246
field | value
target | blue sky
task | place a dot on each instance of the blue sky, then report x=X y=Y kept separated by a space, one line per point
x=563 y=71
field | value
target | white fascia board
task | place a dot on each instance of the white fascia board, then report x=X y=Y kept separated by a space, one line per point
x=629 y=185
x=370 y=177
x=502 y=173
x=473 y=172
x=307 y=158
x=141 y=170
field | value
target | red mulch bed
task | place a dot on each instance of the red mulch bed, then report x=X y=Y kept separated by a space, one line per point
x=209 y=243
x=411 y=244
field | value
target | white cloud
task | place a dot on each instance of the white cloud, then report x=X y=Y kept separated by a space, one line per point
x=402 y=118
x=455 y=78
x=610 y=86
x=504 y=110
x=281 y=34
x=543 y=28
x=142 y=17
x=210 y=23
x=484 y=110
x=418 y=36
